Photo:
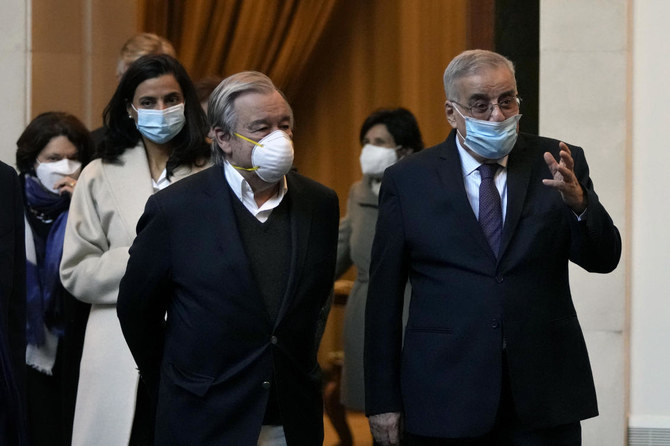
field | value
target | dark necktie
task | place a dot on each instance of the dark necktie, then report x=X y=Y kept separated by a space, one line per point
x=490 y=210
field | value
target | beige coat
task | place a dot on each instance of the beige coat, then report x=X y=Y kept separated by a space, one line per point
x=106 y=205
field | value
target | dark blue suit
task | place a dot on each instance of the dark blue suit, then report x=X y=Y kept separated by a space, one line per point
x=447 y=378
x=12 y=310
x=220 y=349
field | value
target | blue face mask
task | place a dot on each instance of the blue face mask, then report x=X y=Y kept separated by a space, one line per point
x=490 y=139
x=160 y=126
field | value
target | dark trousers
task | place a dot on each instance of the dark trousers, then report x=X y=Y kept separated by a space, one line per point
x=508 y=430
x=142 y=433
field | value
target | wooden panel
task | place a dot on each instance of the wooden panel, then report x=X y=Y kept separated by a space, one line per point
x=481 y=24
x=75 y=48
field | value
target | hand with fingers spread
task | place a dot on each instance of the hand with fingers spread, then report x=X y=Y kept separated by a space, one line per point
x=564 y=179
x=385 y=428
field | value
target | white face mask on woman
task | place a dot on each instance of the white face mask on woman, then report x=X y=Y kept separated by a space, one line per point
x=51 y=173
x=160 y=126
x=375 y=159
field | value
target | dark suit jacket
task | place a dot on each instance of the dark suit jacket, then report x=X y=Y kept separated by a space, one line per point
x=12 y=309
x=219 y=348
x=447 y=379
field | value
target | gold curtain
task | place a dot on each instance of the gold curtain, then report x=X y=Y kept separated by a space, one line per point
x=222 y=37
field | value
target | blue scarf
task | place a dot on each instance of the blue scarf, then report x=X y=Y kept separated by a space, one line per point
x=44 y=292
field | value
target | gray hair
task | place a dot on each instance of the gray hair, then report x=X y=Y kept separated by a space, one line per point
x=221 y=107
x=468 y=63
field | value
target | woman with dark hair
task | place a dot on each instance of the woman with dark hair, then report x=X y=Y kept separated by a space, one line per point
x=386 y=136
x=154 y=135
x=50 y=154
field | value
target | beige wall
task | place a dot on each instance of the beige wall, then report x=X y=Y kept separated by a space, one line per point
x=650 y=220
x=14 y=65
x=584 y=89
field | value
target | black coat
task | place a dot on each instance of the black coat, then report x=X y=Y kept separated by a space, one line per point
x=219 y=348
x=12 y=310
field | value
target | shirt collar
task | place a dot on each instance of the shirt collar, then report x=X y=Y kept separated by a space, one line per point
x=469 y=164
x=162 y=181
x=241 y=187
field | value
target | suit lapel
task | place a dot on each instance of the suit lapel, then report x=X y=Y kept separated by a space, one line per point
x=450 y=172
x=519 y=167
x=301 y=221
x=221 y=217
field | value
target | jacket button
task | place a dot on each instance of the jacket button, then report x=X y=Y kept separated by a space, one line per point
x=266 y=384
x=273 y=339
x=495 y=323
x=499 y=279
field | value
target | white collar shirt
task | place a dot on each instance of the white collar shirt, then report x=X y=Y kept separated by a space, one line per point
x=245 y=194
x=162 y=181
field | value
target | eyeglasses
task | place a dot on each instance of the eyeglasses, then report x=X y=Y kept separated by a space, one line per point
x=483 y=110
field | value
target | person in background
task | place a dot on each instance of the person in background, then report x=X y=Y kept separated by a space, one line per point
x=484 y=225
x=140 y=45
x=242 y=257
x=13 y=430
x=155 y=136
x=50 y=154
x=204 y=88
x=137 y=46
x=387 y=136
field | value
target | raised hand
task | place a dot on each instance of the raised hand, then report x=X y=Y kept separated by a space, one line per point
x=564 y=180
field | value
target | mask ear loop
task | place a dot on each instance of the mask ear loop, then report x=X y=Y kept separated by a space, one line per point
x=247 y=139
x=248 y=169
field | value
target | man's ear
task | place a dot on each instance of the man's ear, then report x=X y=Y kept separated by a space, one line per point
x=451 y=113
x=222 y=138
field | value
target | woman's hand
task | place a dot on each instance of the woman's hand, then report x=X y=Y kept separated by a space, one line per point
x=66 y=185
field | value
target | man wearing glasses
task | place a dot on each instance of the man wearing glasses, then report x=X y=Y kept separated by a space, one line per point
x=484 y=226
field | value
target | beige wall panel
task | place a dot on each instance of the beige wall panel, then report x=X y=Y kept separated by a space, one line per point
x=57 y=26
x=112 y=23
x=584 y=85
x=14 y=22
x=75 y=49
x=57 y=83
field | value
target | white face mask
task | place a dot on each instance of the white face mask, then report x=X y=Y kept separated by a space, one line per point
x=272 y=156
x=375 y=159
x=51 y=173
x=160 y=126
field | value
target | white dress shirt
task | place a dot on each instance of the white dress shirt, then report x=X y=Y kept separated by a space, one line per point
x=162 y=182
x=243 y=191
